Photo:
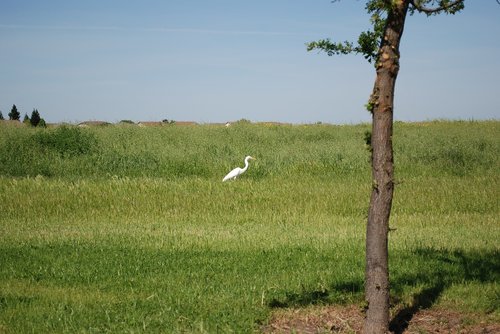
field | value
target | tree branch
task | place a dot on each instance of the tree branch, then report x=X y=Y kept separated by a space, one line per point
x=444 y=5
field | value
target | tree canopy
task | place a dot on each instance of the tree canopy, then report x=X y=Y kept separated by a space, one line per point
x=14 y=114
x=35 y=118
x=368 y=43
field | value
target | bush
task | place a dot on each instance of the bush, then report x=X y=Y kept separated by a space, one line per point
x=67 y=141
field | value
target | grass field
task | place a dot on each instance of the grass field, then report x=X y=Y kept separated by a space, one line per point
x=127 y=229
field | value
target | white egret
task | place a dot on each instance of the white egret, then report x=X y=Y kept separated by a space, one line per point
x=238 y=171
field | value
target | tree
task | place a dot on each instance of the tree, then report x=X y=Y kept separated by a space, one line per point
x=26 y=119
x=1 y=116
x=381 y=46
x=35 y=118
x=14 y=115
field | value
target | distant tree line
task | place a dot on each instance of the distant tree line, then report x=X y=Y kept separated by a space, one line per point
x=34 y=120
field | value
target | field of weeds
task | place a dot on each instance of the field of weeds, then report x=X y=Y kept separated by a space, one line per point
x=128 y=229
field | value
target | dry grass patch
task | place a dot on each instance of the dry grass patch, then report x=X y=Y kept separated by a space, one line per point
x=316 y=319
x=349 y=319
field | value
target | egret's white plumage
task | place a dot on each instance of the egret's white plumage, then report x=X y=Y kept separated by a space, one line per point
x=237 y=171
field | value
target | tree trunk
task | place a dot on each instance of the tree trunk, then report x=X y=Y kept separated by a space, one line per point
x=377 y=269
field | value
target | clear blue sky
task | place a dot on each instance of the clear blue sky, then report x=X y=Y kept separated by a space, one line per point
x=224 y=60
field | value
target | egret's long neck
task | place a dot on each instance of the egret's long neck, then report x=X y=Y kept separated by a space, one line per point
x=246 y=165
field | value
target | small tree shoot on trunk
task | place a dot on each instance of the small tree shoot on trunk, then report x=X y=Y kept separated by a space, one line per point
x=381 y=47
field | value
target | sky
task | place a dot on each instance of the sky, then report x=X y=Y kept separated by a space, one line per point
x=226 y=60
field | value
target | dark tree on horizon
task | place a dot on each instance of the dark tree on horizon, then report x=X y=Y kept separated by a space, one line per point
x=35 y=117
x=14 y=115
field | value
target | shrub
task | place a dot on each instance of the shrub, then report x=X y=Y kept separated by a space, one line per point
x=42 y=123
x=67 y=141
x=26 y=119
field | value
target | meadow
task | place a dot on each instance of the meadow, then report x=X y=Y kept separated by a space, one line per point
x=128 y=229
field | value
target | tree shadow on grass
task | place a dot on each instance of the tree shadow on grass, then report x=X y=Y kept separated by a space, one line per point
x=422 y=300
x=432 y=270
x=335 y=294
x=438 y=270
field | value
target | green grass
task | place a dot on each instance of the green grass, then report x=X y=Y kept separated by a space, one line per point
x=131 y=230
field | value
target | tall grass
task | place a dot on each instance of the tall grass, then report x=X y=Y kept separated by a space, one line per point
x=176 y=151
x=137 y=233
x=432 y=149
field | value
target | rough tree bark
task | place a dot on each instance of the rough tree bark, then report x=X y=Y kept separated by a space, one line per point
x=381 y=102
x=382 y=45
